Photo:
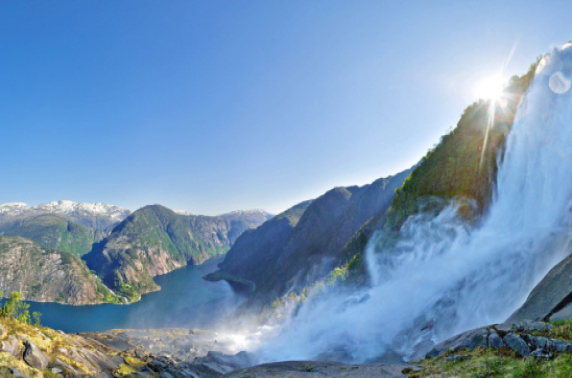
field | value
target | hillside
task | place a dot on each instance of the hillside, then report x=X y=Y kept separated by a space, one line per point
x=53 y=232
x=155 y=240
x=305 y=243
x=47 y=276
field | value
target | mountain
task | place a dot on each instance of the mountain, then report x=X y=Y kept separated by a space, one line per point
x=305 y=243
x=61 y=226
x=53 y=232
x=155 y=240
x=93 y=215
x=47 y=276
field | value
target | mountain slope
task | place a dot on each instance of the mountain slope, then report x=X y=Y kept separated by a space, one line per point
x=52 y=232
x=155 y=240
x=47 y=276
x=281 y=256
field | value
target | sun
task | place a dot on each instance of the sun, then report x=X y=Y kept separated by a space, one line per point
x=490 y=88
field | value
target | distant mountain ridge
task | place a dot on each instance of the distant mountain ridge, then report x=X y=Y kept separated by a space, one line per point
x=61 y=229
x=95 y=215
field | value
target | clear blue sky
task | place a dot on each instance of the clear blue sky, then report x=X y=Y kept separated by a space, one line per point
x=211 y=106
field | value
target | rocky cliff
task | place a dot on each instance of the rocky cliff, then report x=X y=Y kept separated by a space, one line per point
x=47 y=276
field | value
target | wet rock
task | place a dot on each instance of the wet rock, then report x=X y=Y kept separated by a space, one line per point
x=539 y=353
x=494 y=340
x=157 y=365
x=314 y=369
x=467 y=340
x=516 y=343
x=550 y=296
x=524 y=326
x=223 y=363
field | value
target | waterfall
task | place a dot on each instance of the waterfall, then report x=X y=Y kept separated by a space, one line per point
x=443 y=276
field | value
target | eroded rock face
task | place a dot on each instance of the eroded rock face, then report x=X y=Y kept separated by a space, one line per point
x=43 y=275
x=34 y=356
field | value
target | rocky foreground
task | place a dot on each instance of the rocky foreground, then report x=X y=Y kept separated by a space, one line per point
x=28 y=351
x=523 y=349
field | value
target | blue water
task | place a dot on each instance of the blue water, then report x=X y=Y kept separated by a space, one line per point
x=185 y=300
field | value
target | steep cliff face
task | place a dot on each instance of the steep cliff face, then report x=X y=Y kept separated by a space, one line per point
x=155 y=240
x=46 y=276
x=280 y=256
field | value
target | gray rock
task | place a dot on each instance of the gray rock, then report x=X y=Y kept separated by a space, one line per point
x=34 y=357
x=495 y=341
x=516 y=343
x=223 y=363
x=467 y=340
x=314 y=369
x=11 y=345
x=539 y=353
x=157 y=365
x=548 y=344
x=550 y=296
x=64 y=366
x=525 y=326
x=17 y=373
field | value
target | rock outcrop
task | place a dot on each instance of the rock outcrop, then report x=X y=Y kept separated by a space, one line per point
x=526 y=338
x=46 y=276
x=551 y=299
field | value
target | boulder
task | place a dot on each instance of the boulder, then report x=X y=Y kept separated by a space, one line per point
x=34 y=357
x=11 y=345
x=495 y=341
x=466 y=340
x=516 y=343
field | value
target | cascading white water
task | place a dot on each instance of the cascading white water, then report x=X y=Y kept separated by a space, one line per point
x=442 y=277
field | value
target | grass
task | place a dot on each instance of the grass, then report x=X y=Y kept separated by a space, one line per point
x=484 y=363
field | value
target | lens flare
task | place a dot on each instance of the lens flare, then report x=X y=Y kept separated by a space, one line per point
x=490 y=88
x=558 y=83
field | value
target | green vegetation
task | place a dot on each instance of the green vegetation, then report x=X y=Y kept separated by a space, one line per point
x=15 y=308
x=129 y=291
x=53 y=232
x=461 y=165
x=152 y=241
x=503 y=362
